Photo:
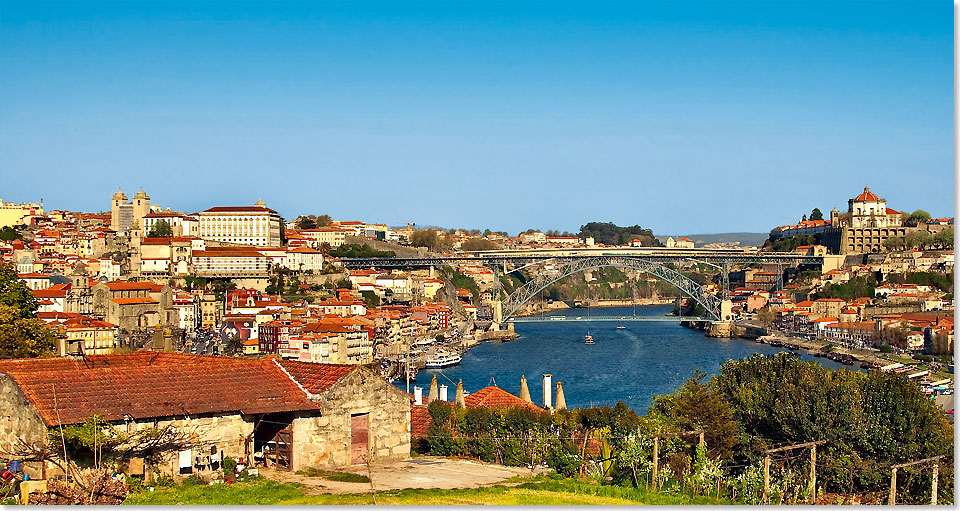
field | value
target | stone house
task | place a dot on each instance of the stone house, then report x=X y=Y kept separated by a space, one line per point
x=289 y=415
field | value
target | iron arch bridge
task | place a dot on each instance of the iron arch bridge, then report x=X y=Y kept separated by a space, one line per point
x=710 y=302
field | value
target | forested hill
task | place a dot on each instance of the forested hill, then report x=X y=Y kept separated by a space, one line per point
x=609 y=233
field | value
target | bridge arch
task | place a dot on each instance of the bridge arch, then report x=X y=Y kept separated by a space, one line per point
x=711 y=303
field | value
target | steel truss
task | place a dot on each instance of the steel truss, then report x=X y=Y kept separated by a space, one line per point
x=525 y=293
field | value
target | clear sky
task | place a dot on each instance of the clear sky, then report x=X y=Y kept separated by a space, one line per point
x=682 y=117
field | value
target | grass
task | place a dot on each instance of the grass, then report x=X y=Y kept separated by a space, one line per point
x=331 y=475
x=538 y=491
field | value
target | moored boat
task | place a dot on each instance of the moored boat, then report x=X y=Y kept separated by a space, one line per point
x=443 y=358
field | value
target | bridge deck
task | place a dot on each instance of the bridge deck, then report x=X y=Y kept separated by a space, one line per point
x=622 y=319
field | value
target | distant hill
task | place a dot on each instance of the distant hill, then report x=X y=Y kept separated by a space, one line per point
x=745 y=239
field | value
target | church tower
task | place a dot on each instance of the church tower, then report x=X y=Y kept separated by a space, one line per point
x=116 y=202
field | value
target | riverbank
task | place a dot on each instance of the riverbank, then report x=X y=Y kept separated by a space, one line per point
x=594 y=304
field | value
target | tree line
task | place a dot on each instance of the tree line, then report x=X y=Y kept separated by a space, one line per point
x=868 y=420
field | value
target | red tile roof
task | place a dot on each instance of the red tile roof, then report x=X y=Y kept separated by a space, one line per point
x=120 y=285
x=867 y=196
x=153 y=384
x=239 y=209
x=420 y=420
x=134 y=300
x=315 y=378
x=495 y=397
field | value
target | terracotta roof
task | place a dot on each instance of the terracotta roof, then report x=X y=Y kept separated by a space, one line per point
x=153 y=384
x=420 y=420
x=120 y=285
x=315 y=378
x=495 y=397
x=239 y=209
x=134 y=300
x=867 y=196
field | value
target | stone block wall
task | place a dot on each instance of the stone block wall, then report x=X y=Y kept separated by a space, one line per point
x=325 y=440
x=18 y=420
x=227 y=432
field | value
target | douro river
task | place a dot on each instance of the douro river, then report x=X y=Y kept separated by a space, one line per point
x=630 y=365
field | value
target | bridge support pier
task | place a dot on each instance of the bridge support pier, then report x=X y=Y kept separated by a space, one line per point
x=725 y=327
x=497 y=315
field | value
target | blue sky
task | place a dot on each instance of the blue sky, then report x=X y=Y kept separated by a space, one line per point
x=685 y=117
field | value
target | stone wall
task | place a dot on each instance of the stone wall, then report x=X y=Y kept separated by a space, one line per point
x=324 y=441
x=227 y=432
x=18 y=420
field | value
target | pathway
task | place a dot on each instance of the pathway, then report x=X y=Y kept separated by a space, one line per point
x=420 y=472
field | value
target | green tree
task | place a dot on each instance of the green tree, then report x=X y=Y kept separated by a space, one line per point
x=944 y=238
x=816 y=214
x=477 y=244
x=233 y=345
x=22 y=337
x=160 y=229
x=9 y=234
x=918 y=217
x=425 y=238
x=15 y=293
x=919 y=239
x=895 y=243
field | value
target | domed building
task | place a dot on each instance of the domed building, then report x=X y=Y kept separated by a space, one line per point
x=867 y=223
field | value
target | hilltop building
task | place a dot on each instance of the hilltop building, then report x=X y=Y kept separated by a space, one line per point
x=863 y=228
x=255 y=225
x=16 y=214
x=126 y=216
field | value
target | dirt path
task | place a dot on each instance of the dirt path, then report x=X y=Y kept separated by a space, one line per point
x=421 y=472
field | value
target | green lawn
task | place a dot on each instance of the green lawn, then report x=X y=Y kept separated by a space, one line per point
x=538 y=491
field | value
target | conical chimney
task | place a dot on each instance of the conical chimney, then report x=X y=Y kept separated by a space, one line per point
x=524 y=390
x=460 y=399
x=561 y=401
x=434 y=393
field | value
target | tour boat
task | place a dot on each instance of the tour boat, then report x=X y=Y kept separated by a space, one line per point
x=588 y=339
x=443 y=359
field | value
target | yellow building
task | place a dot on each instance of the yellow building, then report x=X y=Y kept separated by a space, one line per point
x=94 y=337
x=12 y=214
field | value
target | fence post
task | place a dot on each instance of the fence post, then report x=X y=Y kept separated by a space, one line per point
x=766 y=479
x=813 y=474
x=893 y=487
x=936 y=475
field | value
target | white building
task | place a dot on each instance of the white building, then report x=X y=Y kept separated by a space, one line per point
x=255 y=225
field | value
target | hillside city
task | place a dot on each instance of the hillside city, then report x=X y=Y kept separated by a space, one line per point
x=121 y=304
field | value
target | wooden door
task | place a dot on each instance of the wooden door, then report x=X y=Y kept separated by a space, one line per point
x=359 y=441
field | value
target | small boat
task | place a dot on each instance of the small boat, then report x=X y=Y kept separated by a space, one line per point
x=621 y=327
x=588 y=339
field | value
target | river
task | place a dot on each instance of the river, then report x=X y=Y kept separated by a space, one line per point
x=630 y=365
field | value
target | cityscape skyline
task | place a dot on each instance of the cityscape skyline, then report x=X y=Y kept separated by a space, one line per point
x=482 y=115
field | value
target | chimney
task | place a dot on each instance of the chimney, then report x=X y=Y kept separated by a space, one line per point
x=524 y=390
x=418 y=395
x=561 y=401
x=443 y=393
x=434 y=395
x=460 y=400
x=547 y=401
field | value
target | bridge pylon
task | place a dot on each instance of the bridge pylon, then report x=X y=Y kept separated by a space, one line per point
x=497 y=314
